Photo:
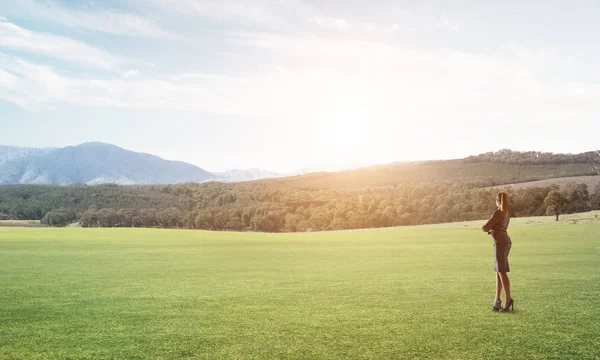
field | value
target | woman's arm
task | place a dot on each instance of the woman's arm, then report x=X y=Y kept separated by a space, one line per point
x=495 y=219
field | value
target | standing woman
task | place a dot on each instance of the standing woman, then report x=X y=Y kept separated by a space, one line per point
x=497 y=226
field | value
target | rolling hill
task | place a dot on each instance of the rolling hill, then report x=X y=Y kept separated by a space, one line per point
x=490 y=169
x=590 y=181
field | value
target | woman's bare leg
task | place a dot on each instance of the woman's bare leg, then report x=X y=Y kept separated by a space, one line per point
x=506 y=285
x=498 y=286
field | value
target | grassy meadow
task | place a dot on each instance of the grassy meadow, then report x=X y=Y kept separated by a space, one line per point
x=403 y=293
x=21 y=223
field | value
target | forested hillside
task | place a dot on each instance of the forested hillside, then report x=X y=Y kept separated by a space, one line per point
x=490 y=169
x=393 y=195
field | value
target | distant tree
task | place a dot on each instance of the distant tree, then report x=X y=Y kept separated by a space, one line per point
x=137 y=221
x=271 y=222
x=31 y=212
x=579 y=197
x=204 y=220
x=442 y=213
x=355 y=220
x=338 y=224
x=124 y=218
x=235 y=224
x=107 y=218
x=247 y=215
x=531 y=202
x=556 y=203
x=89 y=218
x=386 y=219
x=147 y=218
x=405 y=219
x=163 y=218
x=304 y=226
x=301 y=210
x=220 y=219
x=59 y=218
x=291 y=222
x=189 y=220
x=595 y=198
x=320 y=218
x=340 y=211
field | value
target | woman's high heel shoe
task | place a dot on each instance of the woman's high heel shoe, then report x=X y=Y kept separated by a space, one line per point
x=497 y=305
x=509 y=307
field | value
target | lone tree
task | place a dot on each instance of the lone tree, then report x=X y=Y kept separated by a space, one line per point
x=556 y=203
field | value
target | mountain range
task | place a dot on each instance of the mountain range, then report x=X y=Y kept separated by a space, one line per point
x=98 y=163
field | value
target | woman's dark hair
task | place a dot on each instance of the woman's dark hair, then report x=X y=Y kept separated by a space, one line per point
x=503 y=199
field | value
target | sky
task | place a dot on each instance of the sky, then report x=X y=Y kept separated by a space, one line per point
x=282 y=85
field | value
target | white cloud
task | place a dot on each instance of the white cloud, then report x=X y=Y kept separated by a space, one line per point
x=131 y=73
x=94 y=18
x=421 y=18
x=445 y=23
x=31 y=86
x=324 y=80
x=7 y=80
x=393 y=28
x=369 y=27
x=251 y=11
x=327 y=82
x=330 y=23
x=382 y=29
x=2 y=18
x=15 y=37
x=536 y=57
x=263 y=14
x=39 y=88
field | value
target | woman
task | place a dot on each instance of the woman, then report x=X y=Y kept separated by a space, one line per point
x=497 y=226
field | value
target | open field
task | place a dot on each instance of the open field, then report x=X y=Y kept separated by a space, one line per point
x=590 y=181
x=403 y=293
x=21 y=223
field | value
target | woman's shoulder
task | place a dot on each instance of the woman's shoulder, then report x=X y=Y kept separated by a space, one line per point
x=498 y=212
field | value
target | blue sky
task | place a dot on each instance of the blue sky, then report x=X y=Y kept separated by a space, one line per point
x=285 y=84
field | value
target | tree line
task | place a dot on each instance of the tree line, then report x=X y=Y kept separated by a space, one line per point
x=506 y=156
x=32 y=202
x=250 y=208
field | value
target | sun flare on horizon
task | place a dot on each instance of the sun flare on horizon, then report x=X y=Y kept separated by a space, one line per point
x=281 y=86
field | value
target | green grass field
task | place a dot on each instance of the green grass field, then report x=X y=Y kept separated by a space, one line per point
x=406 y=293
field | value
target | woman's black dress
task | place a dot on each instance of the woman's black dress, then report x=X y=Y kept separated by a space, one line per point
x=497 y=226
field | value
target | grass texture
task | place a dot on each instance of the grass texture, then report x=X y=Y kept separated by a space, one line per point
x=404 y=293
